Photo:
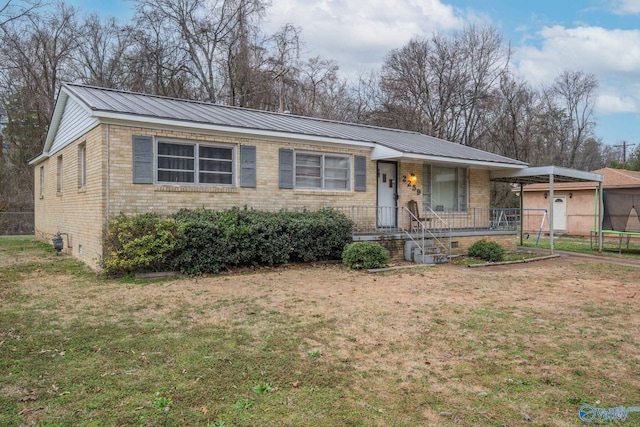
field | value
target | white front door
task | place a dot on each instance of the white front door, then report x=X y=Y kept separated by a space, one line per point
x=560 y=213
x=387 y=194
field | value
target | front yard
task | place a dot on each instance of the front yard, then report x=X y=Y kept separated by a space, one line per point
x=527 y=344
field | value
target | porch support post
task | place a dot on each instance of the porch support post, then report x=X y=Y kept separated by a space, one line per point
x=551 y=196
x=521 y=213
x=600 y=215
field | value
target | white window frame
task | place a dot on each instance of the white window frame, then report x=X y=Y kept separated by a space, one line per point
x=196 y=162
x=460 y=187
x=82 y=165
x=60 y=174
x=323 y=156
x=41 y=182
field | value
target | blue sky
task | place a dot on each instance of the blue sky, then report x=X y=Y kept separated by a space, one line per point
x=595 y=36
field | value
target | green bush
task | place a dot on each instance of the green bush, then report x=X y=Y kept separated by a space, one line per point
x=142 y=243
x=216 y=240
x=318 y=236
x=488 y=251
x=365 y=255
x=204 y=241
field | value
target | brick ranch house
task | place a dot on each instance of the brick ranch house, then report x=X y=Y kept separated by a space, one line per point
x=109 y=152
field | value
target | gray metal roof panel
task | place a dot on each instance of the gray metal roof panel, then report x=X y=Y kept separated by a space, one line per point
x=142 y=105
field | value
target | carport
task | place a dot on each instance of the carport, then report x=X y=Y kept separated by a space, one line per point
x=550 y=175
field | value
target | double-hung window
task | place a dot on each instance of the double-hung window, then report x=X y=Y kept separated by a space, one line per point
x=322 y=171
x=41 y=182
x=82 y=165
x=59 y=176
x=445 y=188
x=195 y=163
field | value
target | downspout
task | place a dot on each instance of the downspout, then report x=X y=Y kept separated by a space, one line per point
x=551 y=196
x=108 y=183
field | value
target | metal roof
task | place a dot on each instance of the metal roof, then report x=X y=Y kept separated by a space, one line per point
x=542 y=175
x=110 y=103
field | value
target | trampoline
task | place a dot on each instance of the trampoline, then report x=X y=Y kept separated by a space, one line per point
x=621 y=215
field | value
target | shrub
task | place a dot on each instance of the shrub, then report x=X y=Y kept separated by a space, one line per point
x=318 y=236
x=488 y=251
x=365 y=255
x=204 y=241
x=216 y=240
x=142 y=243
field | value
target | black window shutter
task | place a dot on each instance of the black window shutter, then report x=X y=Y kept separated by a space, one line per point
x=142 y=160
x=286 y=168
x=248 y=166
x=361 y=173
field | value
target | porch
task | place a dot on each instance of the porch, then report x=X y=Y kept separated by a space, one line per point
x=430 y=237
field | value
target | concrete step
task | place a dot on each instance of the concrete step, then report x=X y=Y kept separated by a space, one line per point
x=430 y=255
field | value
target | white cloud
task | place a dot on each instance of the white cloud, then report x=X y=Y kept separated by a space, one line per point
x=613 y=56
x=591 y=49
x=615 y=103
x=357 y=34
x=626 y=7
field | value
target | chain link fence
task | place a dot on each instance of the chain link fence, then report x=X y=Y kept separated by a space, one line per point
x=16 y=223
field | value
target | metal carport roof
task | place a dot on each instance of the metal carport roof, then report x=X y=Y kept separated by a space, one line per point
x=542 y=174
x=550 y=175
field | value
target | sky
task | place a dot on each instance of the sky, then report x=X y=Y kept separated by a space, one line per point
x=601 y=37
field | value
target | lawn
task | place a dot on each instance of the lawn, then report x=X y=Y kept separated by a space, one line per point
x=611 y=245
x=316 y=345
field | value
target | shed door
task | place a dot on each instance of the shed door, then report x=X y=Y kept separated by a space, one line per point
x=560 y=213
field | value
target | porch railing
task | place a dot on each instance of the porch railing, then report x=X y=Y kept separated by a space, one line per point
x=368 y=219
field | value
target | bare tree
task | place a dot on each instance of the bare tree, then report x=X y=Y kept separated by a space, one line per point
x=12 y=10
x=204 y=28
x=442 y=86
x=573 y=96
x=101 y=52
x=35 y=58
x=155 y=61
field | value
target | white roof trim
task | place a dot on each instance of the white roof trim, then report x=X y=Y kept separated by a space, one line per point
x=385 y=153
x=564 y=174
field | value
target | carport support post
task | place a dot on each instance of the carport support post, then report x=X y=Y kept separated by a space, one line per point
x=600 y=215
x=551 y=213
x=521 y=214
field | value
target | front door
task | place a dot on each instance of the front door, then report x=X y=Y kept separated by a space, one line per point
x=560 y=213
x=387 y=194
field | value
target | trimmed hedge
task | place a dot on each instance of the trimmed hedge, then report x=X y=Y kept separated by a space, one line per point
x=209 y=241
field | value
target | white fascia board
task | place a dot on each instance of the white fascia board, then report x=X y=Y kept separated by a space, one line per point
x=385 y=153
x=549 y=170
x=42 y=157
x=127 y=120
x=380 y=152
x=56 y=118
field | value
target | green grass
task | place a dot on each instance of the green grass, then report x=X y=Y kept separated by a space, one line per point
x=584 y=245
x=68 y=357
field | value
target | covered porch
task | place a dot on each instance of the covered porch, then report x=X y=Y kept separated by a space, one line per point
x=434 y=231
